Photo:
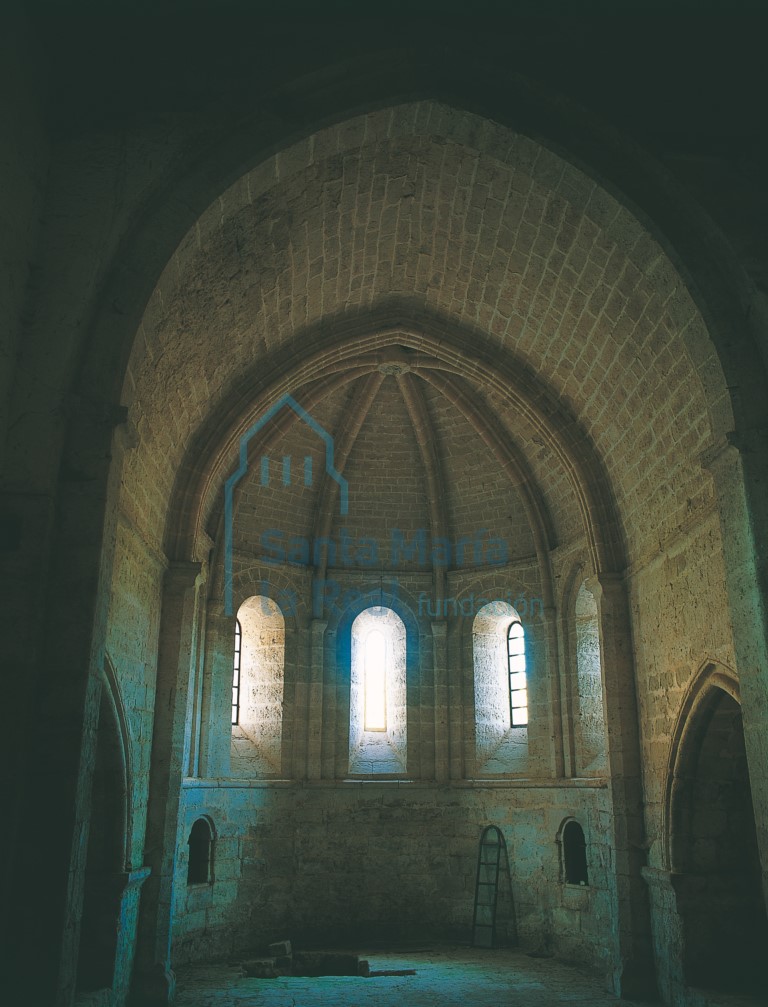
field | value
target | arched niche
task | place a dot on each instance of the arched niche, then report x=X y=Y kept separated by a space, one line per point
x=711 y=841
x=200 y=852
x=572 y=842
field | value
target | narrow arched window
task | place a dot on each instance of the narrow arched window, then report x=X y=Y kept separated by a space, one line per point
x=377 y=693
x=518 y=687
x=236 y=673
x=500 y=694
x=200 y=853
x=375 y=681
x=258 y=686
x=574 y=854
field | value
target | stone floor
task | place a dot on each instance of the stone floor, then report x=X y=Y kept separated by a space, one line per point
x=469 y=977
x=461 y=976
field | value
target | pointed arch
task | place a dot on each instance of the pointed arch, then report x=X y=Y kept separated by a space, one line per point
x=710 y=681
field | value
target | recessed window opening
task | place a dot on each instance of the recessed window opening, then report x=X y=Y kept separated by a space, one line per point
x=236 y=673
x=501 y=660
x=258 y=683
x=518 y=688
x=375 y=681
x=200 y=853
x=574 y=854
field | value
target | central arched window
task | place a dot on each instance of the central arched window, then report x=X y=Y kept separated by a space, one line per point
x=375 y=681
x=377 y=693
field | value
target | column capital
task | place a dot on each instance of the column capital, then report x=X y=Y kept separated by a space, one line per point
x=183 y=575
x=136 y=877
x=657 y=877
x=317 y=629
x=604 y=583
x=727 y=449
x=750 y=441
x=723 y=450
x=126 y=880
x=100 y=412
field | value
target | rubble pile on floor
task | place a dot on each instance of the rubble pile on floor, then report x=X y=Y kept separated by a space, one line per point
x=282 y=960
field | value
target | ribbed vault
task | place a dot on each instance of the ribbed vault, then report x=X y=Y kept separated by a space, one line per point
x=519 y=291
x=419 y=457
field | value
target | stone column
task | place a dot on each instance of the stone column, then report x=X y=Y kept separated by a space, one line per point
x=177 y=660
x=440 y=664
x=314 y=710
x=297 y=661
x=667 y=933
x=741 y=482
x=216 y=727
x=550 y=660
x=568 y=679
x=127 y=887
x=633 y=968
x=455 y=676
x=193 y=734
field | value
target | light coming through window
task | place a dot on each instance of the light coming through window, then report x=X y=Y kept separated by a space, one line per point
x=236 y=674
x=375 y=681
x=518 y=691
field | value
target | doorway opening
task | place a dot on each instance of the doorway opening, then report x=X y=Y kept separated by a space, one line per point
x=715 y=853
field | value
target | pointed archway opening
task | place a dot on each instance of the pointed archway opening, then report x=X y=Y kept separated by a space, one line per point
x=715 y=854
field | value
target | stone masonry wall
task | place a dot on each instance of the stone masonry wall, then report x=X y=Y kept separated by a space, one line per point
x=675 y=634
x=357 y=862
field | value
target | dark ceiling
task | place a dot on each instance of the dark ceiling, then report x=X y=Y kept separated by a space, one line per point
x=687 y=79
x=678 y=73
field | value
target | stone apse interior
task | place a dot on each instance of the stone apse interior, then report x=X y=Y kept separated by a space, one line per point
x=383 y=460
